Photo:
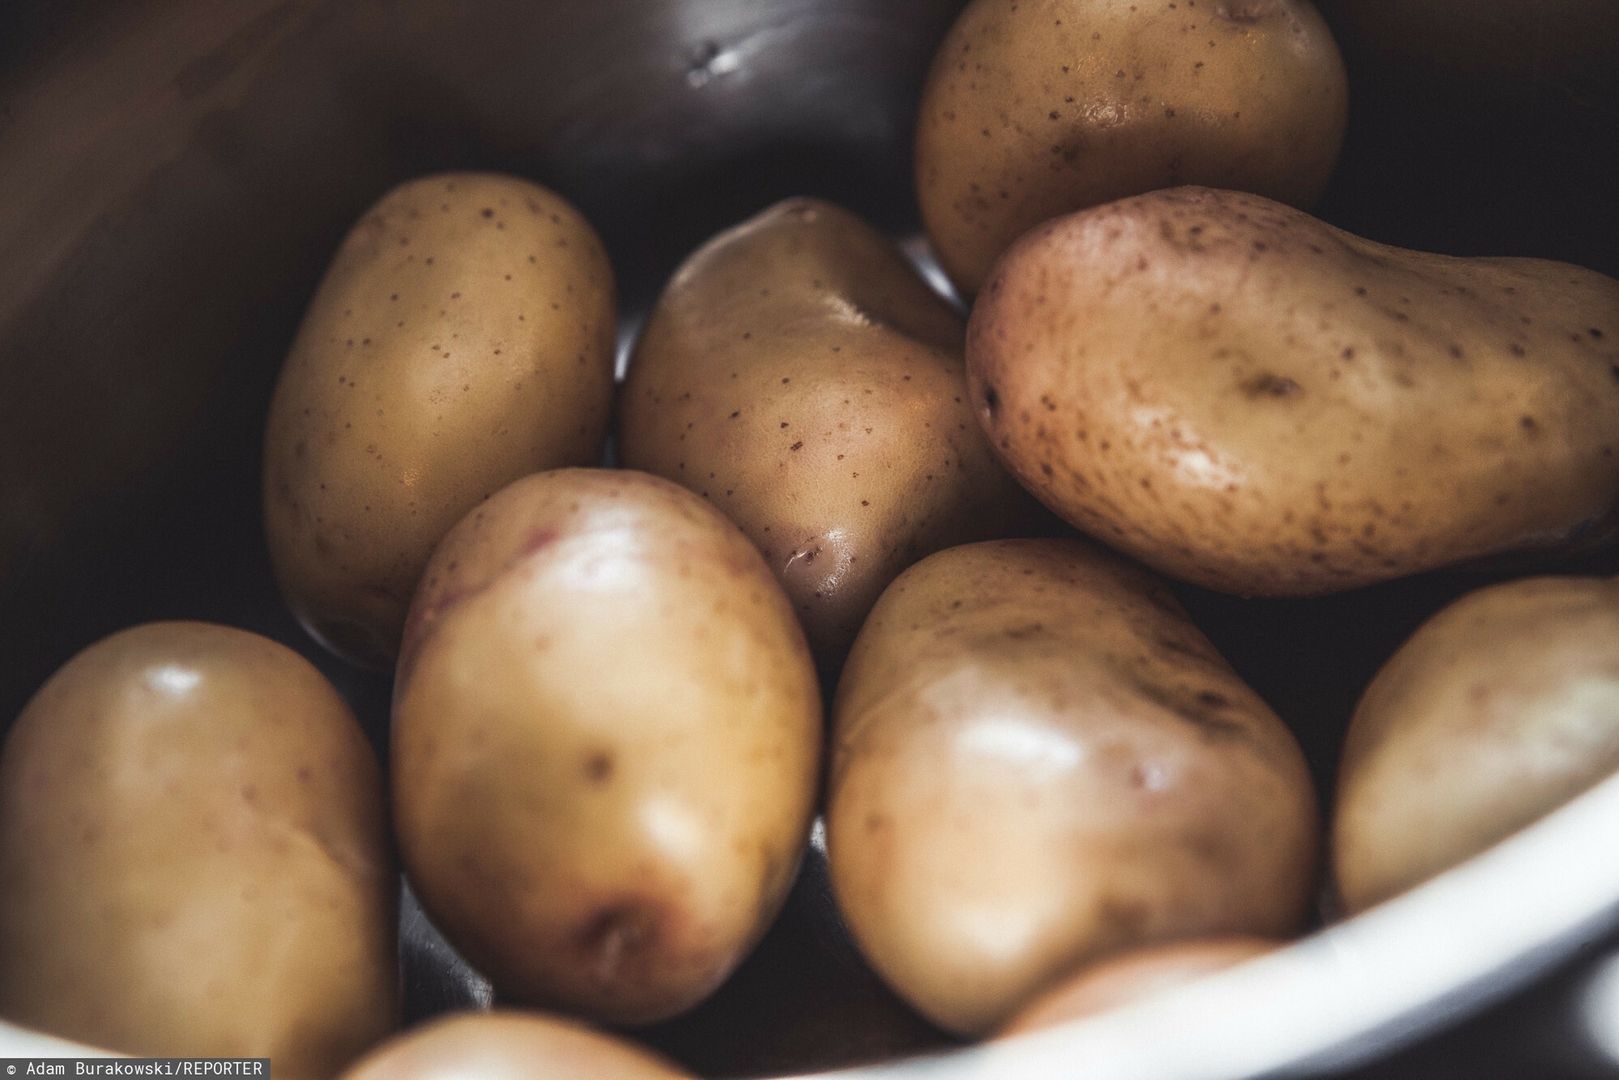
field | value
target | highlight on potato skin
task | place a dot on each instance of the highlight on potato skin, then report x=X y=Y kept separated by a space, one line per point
x=1035 y=108
x=1499 y=709
x=462 y=337
x=606 y=743
x=194 y=856
x=1246 y=398
x=799 y=374
x=1133 y=975
x=1037 y=760
x=509 y=1044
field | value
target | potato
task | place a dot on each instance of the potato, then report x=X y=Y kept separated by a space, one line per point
x=606 y=740
x=1499 y=709
x=462 y=338
x=194 y=857
x=800 y=375
x=1036 y=108
x=508 y=1045
x=1037 y=760
x=1130 y=976
x=1249 y=399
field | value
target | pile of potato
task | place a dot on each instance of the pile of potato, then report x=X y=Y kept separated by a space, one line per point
x=1044 y=790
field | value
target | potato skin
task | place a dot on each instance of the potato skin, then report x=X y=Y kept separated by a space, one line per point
x=606 y=742
x=1035 y=108
x=1244 y=397
x=1498 y=710
x=462 y=338
x=1037 y=760
x=800 y=375
x=1134 y=975
x=194 y=857
x=508 y=1045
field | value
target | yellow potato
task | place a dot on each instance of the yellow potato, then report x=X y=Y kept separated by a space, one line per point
x=1036 y=108
x=800 y=375
x=509 y=1045
x=1244 y=397
x=606 y=738
x=1499 y=709
x=1133 y=975
x=194 y=857
x=462 y=338
x=1038 y=760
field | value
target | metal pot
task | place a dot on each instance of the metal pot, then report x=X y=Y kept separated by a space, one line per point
x=174 y=174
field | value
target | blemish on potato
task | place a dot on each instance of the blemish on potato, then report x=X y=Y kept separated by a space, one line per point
x=1272 y=386
x=599 y=767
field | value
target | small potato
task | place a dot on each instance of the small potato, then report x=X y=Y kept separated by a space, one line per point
x=194 y=858
x=462 y=338
x=1246 y=398
x=1036 y=108
x=800 y=375
x=606 y=740
x=1038 y=760
x=1499 y=709
x=509 y=1045
x=1133 y=975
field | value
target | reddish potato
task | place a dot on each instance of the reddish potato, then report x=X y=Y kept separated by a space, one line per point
x=606 y=738
x=1037 y=760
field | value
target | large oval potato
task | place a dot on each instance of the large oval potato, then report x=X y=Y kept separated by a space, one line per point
x=509 y=1045
x=194 y=858
x=800 y=375
x=1246 y=398
x=1038 y=760
x=1132 y=976
x=1499 y=709
x=462 y=338
x=606 y=740
x=1035 y=108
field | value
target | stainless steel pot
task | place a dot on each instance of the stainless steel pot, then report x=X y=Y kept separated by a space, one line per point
x=174 y=174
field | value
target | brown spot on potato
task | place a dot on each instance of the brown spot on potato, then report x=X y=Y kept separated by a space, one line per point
x=1192 y=709
x=1271 y=386
x=616 y=937
x=599 y=767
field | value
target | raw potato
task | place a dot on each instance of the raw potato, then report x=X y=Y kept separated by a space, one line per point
x=1037 y=761
x=606 y=740
x=800 y=375
x=1246 y=398
x=1036 y=108
x=506 y=1045
x=1131 y=976
x=194 y=858
x=462 y=338
x=1499 y=709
